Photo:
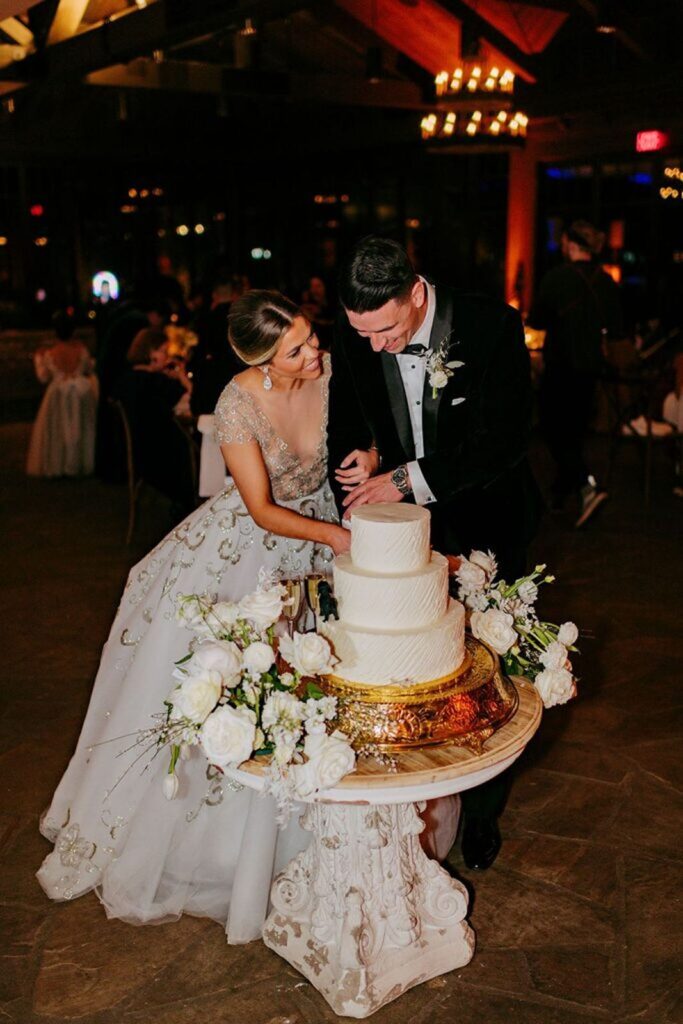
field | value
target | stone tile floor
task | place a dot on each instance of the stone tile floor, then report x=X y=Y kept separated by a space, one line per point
x=577 y=922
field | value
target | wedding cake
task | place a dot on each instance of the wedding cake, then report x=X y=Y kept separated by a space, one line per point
x=397 y=624
x=406 y=674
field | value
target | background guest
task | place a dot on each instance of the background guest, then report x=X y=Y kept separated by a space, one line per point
x=150 y=392
x=112 y=364
x=213 y=363
x=63 y=436
x=579 y=307
x=316 y=307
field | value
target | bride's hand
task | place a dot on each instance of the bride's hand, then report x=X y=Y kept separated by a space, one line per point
x=339 y=539
x=358 y=466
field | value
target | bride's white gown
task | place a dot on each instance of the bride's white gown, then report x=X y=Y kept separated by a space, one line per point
x=213 y=850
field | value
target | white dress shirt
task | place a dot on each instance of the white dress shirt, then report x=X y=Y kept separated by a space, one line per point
x=413 y=370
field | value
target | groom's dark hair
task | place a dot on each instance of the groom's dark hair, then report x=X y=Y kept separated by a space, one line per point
x=378 y=270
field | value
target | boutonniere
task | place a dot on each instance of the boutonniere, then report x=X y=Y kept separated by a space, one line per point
x=439 y=367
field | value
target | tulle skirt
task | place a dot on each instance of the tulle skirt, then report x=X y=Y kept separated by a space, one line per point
x=63 y=435
x=214 y=850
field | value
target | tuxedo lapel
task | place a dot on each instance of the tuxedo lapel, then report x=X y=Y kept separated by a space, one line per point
x=442 y=328
x=398 y=402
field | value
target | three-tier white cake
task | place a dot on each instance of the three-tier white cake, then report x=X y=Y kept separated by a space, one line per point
x=397 y=624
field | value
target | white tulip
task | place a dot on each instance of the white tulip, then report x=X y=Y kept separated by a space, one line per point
x=568 y=634
x=170 y=786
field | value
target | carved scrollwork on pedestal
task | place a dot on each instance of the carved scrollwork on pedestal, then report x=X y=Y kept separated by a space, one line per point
x=364 y=886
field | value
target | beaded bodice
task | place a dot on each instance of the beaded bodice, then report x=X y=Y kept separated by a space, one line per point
x=241 y=420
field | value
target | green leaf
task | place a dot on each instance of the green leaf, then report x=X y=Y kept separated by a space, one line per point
x=314 y=692
x=183 y=660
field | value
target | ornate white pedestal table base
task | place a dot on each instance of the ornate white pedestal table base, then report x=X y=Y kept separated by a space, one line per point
x=363 y=913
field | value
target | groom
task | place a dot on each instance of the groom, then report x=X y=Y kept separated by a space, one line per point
x=450 y=437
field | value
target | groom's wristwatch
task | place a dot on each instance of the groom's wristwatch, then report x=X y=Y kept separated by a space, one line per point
x=401 y=480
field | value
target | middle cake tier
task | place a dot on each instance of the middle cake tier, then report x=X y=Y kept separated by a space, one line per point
x=385 y=657
x=407 y=601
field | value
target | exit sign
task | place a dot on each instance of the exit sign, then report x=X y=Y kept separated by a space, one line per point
x=650 y=142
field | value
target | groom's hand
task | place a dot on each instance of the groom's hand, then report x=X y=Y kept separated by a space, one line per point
x=377 y=488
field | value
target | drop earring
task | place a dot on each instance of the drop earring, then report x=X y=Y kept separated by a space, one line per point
x=267 y=382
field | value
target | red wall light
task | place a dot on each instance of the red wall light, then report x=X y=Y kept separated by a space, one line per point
x=37 y=210
x=650 y=142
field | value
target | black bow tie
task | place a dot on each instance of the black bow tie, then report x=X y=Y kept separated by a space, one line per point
x=415 y=350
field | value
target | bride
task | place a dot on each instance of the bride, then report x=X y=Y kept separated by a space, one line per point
x=213 y=850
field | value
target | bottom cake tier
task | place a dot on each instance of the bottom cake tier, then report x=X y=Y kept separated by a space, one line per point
x=465 y=709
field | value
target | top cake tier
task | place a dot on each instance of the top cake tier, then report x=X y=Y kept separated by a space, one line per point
x=390 y=538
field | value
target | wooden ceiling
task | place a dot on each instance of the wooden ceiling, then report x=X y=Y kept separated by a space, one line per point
x=317 y=53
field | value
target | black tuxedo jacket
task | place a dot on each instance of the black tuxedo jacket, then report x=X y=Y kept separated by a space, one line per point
x=474 y=450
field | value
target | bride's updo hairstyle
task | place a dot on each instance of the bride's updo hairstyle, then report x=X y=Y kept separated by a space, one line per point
x=256 y=323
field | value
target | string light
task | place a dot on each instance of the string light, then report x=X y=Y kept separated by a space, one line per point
x=182 y=230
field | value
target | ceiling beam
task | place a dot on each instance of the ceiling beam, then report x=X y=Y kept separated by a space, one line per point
x=484 y=29
x=136 y=32
x=17 y=31
x=10 y=54
x=68 y=17
x=213 y=79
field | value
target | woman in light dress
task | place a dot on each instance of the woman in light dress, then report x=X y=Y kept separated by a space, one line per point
x=63 y=436
x=213 y=850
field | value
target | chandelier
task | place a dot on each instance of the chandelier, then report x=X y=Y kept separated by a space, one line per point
x=469 y=124
x=475 y=101
x=474 y=78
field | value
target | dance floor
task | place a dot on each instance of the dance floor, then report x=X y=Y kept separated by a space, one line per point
x=576 y=922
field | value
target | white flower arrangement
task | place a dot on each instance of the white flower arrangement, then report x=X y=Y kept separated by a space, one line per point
x=504 y=617
x=235 y=699
x=439 y=367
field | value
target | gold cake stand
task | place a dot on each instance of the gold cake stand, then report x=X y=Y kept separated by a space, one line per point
x=464 y=708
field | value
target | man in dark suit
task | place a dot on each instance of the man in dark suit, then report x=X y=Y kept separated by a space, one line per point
x=450 y=437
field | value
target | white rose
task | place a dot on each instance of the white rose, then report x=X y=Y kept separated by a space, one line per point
x=555 y=685
x=495 y=628
x=263 y=607
x=222 y=656
x=486 y=561
x=224 y=614
x=309 y=653
x=287 y=679
x=283 y=709
x=258 y=657
x=528 y=592
x=438 y=378
x=554 y=656
x=198 y=695
x=568 y=634
x=227 y=736
x=330 y=758
x=470 y=576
